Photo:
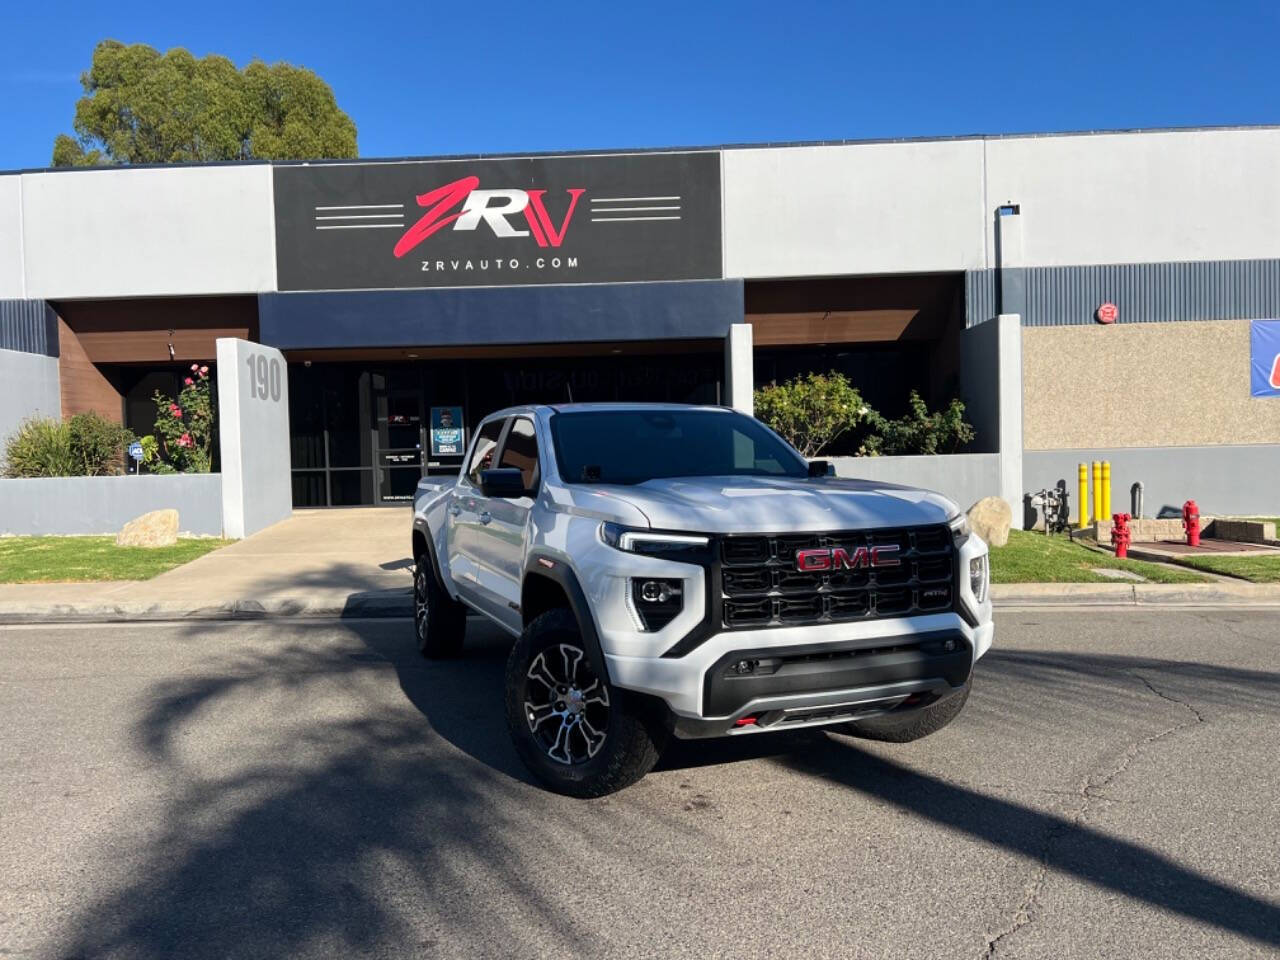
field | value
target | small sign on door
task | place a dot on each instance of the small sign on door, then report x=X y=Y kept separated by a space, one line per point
x=447 y=433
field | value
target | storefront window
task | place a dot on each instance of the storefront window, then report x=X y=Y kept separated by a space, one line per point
x=360 y=433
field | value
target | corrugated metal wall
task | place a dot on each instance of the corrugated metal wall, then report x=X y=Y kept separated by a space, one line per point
x=29 y=326
x=979 y=296
x=1144 y=292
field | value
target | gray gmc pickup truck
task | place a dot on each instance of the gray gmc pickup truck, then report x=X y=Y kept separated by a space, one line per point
x=677 y=570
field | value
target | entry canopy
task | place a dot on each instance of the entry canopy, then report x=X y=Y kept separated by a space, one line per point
x=680 y=310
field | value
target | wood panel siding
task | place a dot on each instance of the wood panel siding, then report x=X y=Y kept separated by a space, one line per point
x=850 y=310
x=137 y=331
x=84 y=387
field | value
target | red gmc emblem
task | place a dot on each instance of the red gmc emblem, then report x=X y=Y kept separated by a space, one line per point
x=838 y=558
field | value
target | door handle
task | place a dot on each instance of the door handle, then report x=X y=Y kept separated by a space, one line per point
x=485 y=516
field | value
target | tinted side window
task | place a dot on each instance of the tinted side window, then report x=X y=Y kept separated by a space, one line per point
x=486 y=443
x=521 y=451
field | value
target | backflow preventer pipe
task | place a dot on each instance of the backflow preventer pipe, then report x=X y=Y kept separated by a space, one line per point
x=1135 y=500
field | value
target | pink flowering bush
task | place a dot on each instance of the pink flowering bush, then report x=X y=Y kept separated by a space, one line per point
x=185 y=426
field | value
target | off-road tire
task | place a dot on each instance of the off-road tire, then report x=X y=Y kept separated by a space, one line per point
x=632 y=739
x=906 y=727
x=439 y=621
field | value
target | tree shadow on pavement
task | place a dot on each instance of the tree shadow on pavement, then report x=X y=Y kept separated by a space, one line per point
x=1061 y=843
x=1103 y=689
x=282 y=842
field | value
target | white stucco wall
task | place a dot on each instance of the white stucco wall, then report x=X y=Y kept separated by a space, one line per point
x=1140 y=197
x=253 y=429
x=131 y=233
x=858 y=209
x=11 y=279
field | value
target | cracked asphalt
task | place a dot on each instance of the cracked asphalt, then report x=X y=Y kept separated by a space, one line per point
x=309 y=789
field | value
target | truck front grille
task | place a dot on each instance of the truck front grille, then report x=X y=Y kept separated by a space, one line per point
x=762 y=587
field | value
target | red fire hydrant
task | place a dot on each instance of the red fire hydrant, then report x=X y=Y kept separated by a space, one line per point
x=1121 y=534
x=1191 y=520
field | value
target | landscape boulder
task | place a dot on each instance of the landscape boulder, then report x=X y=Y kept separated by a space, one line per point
x=990 y=518
x=159 y=528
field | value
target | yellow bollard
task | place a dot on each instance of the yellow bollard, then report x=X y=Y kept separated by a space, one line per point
x=1082 y=497
x=1106 y=489
x=1097 y=491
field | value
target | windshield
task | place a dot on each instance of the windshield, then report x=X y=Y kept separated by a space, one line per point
x=632 y=446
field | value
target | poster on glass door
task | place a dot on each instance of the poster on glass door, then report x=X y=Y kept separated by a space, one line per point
x=447 y=434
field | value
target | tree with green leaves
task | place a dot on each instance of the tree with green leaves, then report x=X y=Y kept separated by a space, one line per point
x=142 y=106
x=811 y=412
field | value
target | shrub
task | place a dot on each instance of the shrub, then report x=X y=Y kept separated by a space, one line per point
x=98 y=445
x=87 y=445
x=40 y=447
x=185 y=427
x=812 y=411
x=919 y=432
x=151 y=455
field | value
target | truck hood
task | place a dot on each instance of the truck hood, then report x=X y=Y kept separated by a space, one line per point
x=782 y=504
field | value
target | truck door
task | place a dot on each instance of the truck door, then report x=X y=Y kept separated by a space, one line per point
x=505 y=539
x=467 y=514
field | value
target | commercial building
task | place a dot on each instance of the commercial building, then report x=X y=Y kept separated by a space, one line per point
x=412 y=297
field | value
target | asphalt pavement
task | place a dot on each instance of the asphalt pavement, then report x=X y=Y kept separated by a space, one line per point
x=314 y=789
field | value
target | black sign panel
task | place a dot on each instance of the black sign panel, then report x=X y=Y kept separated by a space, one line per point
x=502 y=222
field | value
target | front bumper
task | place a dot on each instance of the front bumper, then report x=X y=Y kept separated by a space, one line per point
x=820 y=674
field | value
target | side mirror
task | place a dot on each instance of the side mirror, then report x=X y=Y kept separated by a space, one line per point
x=504 y=482
x=821 y=468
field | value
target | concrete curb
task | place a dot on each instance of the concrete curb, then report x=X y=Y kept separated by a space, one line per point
x=1005 y=596
x=399 y=603
x=316 y=607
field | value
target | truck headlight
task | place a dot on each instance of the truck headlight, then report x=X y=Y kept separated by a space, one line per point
x=978 y=577
x=651 y=543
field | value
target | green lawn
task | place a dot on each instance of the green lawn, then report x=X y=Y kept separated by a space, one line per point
x=1034 y=558
x=53 y=559
x=1258 y=569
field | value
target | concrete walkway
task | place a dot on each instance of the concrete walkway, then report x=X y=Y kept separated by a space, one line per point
x=318 y=562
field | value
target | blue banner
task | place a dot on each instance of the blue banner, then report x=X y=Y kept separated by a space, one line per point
x=1264 y=358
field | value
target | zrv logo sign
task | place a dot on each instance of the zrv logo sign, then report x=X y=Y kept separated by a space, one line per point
x=590 y=219
x=491 y=206
x=819 y=559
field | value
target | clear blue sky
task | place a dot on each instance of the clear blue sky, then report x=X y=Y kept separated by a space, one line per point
x=429 y=78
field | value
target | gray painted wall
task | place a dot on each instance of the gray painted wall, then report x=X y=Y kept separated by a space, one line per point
x=102 y=505
x=962 y=477
x=1224 y=480
x=28 y=387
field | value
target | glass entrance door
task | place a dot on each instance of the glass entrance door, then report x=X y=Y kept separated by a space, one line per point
x=399 y=435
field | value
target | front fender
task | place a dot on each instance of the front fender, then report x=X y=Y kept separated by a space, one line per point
x=430 y=516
